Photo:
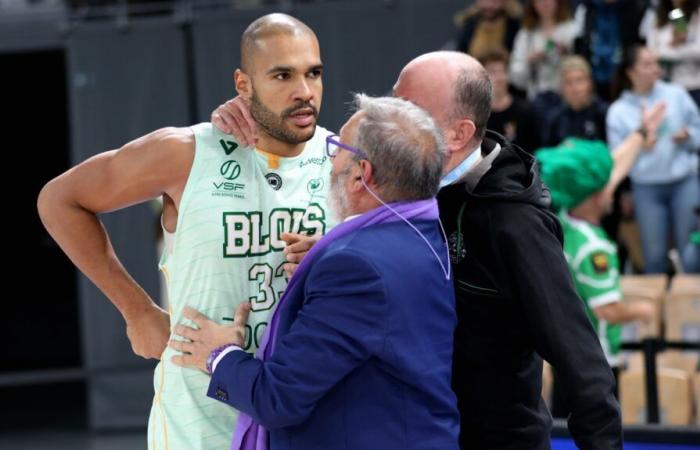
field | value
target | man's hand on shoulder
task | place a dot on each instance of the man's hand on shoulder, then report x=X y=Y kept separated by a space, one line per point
x=234 y=118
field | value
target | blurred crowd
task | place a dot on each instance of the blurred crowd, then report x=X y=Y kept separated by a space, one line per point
x=587 y=69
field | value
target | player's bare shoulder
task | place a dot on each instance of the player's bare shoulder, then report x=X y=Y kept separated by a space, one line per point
x=175 y=144
x=169 y=153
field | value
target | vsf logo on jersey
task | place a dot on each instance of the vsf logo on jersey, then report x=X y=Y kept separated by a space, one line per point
x=229 y=170
x=245 y=236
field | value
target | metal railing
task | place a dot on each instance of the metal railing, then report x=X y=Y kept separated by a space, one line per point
x=650 y=347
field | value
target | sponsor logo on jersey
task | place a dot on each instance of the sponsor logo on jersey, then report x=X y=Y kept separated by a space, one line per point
x=274 y=180
x=314 y=160
x=230 y=170
x=314 y=186
x=228 y=146
x=600 y=262
x=228 y=189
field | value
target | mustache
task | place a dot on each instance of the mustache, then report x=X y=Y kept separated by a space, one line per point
x=300 y=105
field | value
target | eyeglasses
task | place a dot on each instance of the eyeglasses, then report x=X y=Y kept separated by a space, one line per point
x=333 y=146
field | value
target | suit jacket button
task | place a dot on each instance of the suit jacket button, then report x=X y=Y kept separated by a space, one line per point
x=221 y=394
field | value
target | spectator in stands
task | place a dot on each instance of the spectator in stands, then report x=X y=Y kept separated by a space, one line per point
x=675 y=37
x=510 y=116
x=606 y=27
x=582 y=113
x=487 y=25
x=547 y=34
x=665 y=183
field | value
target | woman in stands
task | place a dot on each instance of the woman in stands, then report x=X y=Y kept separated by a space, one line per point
x=547 y=34
x=675 y=37
x=664 y=178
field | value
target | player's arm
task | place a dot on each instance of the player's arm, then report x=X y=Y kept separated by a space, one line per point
x=599 y=285
x=620 y=312
x=145 y=168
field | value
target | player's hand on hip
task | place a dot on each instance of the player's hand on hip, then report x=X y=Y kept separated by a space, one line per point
x=207 y=337
x=148 y=332
x=234 y=118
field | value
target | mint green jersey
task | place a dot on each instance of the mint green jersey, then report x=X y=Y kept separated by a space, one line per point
x=226 y=250
x=593 y=262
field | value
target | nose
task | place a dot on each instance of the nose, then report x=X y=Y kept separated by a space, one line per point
x=303 y=91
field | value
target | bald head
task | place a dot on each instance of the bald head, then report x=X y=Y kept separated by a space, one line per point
x=444 y=59
x=265 y=27
x=450 y=86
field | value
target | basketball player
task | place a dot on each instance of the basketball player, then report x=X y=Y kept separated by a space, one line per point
x=226 y=209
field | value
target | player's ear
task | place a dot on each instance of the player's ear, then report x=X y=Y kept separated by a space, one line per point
x=243 y=83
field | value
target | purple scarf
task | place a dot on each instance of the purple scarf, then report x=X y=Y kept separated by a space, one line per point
x=250 y=435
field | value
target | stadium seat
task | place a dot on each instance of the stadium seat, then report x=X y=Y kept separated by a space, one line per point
x=686 y=361
x=649 y=288
x=682 y=309
x=675 y=397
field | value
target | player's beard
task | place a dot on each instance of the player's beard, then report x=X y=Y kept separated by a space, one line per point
x=275 y=125
x=337 y=200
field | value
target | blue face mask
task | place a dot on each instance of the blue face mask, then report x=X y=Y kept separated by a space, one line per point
x=458 y=172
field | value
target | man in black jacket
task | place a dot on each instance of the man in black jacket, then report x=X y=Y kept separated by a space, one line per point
x=516 y=302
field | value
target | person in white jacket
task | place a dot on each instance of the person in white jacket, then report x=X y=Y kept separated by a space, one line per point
x=675 y=37
x=547 y=34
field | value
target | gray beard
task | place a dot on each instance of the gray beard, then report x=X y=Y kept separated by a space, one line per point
x=337 y=200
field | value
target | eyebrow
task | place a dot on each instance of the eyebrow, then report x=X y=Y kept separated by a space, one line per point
x=316 y=67
x=278 y=69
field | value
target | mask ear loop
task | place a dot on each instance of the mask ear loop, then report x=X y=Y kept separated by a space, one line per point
x=445 y=271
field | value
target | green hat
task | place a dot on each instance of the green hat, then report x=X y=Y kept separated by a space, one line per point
x=575 y=170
